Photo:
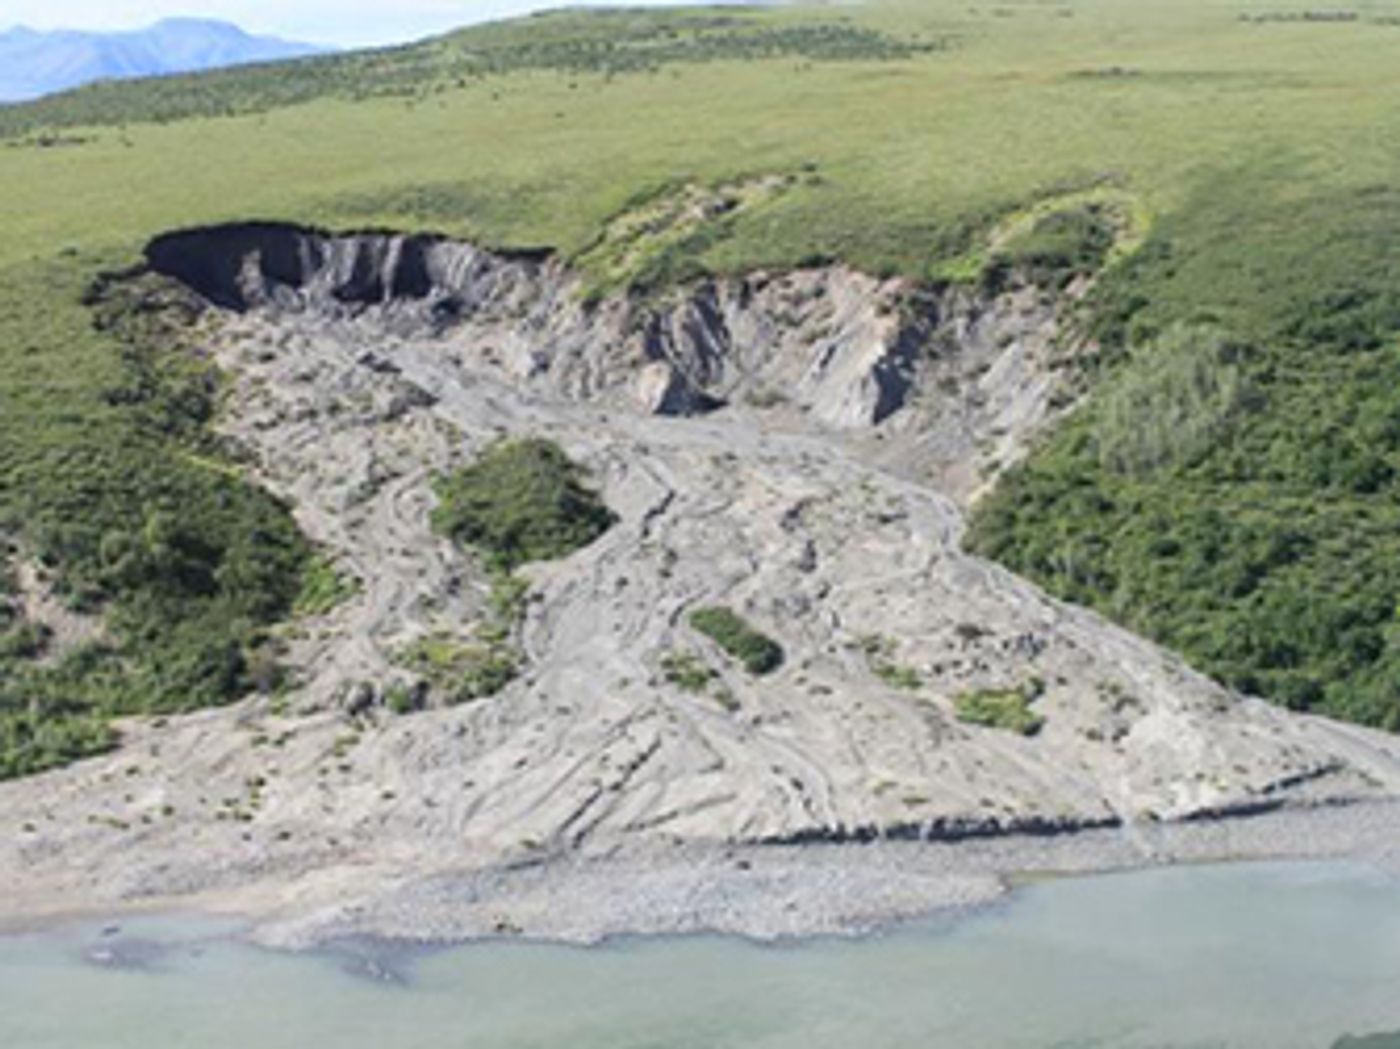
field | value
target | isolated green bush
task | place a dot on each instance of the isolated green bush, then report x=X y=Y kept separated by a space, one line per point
x=1005 y=708
x=757 y=653
x=520 y=501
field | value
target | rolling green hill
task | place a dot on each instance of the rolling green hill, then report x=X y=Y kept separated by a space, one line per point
x=1232 y=486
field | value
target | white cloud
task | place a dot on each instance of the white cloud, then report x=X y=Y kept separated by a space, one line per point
x=343 y=22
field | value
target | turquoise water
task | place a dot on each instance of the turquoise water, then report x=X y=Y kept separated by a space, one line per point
x=1271 y=956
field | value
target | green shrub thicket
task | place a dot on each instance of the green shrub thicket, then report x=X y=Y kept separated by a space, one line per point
x=112 y=486
x=1008 y=709
x=1232 y=489
x=756 y=652
x=521 y=500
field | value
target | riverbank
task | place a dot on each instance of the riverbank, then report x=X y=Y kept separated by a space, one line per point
x=777 y=892
x=759 y=892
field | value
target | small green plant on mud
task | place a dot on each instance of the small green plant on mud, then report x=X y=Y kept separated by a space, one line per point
x=1003 y=708
x=877 y=650
x=687 y=671
x=462 y=670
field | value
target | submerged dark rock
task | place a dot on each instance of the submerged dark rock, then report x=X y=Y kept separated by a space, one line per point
x=126 y=953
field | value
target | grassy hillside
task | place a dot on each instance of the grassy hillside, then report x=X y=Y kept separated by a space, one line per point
x=1231 y=489
x=605 y=42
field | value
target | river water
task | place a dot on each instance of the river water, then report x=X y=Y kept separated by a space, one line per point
x=1267 y=956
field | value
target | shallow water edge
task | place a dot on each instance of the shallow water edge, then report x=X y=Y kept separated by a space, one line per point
x=1272 y=955
x=765 y=893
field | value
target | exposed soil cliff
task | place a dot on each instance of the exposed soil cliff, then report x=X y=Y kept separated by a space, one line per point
x=846 y=349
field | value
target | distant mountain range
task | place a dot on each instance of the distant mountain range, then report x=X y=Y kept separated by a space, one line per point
x=34 y=63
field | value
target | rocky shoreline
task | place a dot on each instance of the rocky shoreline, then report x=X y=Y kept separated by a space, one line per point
x=770 y=893
x=762 y=892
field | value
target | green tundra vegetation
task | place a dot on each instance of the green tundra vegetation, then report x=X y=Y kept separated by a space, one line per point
x=1004 y=708
x=757 y=653
x=1225 y=169
x=1059 y=246
x=1231 y=488
x=606 y=42
x=112 y=492
x=520 y=501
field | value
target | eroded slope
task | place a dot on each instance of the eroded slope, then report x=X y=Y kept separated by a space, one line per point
x=796 y=447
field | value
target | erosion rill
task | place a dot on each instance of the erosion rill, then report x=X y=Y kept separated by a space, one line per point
x=796 y=448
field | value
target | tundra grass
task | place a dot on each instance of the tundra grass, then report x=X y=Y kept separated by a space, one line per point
x=910 y=153
x=1253 y=155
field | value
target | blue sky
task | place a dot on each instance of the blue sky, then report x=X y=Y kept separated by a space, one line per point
x=342 y=22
